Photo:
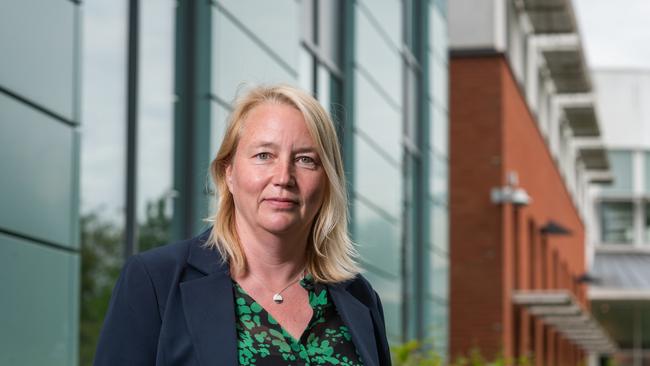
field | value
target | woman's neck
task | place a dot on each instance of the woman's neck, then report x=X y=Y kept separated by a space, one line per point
x=274 y=258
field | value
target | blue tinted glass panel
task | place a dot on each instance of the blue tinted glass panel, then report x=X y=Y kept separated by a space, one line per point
x=389 y=291
x=155 y=120
x=439 y=179
x=439 y=227
x=377 y=179
x=388 y=15
x=379 y=59
x=438 y=75
x=240 y=62
x=438 y=34
x=439 y=264
x=437 y=324
x=274 y=23
x=40 y=305
x=617 y=222
x=103 y=147
x=378 y=120
x=439 y=131
x=646 y=168
x=38 y=177
x=378 y=239
x=621 y=167
x=38 y=54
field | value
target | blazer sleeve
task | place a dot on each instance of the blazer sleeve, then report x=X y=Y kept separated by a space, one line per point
x=132 y=324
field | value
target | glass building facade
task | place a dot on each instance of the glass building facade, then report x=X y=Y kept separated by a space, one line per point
x=623 y=207
x=158 y=81
x=39 y=195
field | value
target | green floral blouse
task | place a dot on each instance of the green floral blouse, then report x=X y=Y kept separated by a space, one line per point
x=261 y=341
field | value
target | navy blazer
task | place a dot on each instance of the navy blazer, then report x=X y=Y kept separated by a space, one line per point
x=174 y=305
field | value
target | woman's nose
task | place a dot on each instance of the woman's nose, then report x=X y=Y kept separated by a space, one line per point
x=284 y=173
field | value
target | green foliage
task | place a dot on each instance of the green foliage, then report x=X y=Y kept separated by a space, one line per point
x=102 y=242
x=414 y=353
x=101 y=253
x=417 y=353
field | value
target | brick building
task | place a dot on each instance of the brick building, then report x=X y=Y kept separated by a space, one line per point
x=524 y=146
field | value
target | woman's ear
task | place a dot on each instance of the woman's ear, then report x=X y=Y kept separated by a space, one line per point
x=229 y=176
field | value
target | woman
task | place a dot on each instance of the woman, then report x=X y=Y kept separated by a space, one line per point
x=273 y=282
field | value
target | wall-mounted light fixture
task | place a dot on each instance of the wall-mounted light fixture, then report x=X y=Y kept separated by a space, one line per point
x=587 y=278
x=511 y=192
x=553 y=228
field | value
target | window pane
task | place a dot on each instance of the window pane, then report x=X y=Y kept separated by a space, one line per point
x=439 y=281
x=387 y=13
x=646 y=226
x=274 y=23
x=377 y=119
x=37 y=173
x=329 y=27
x=378 y=238
x=646 y=168
x=37 y=61
x=239 y=60
x=617 y=222
x=379 y=59
x=155 y=123
x=377 y=179
x=39 y=328
x=621 y=165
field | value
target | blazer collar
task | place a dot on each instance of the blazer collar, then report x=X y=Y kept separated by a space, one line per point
x=209 y=308
x=357 y=317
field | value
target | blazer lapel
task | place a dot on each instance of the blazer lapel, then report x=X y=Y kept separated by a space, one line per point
x=357 y=316
x=208 y=305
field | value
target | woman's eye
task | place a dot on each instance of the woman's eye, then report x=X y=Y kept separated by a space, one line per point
x=306 y=160
x=263 y=156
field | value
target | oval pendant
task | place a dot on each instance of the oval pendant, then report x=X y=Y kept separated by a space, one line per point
x=277 y=298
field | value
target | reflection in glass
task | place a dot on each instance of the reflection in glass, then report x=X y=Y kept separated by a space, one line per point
x=617 y=222
x=155 y=123
x=240 y=60
x=440 y=227
x=621 y=166
x=273 y=23
x=377 y=179
x=380 y=60
x=104 y=109
x=646 y=168
x=37 y=60
x=103 y=147
x=378 y=238
x=439 y=133
x=387 y=14
x=646 y=226
x=378 y=120
x=439 y=274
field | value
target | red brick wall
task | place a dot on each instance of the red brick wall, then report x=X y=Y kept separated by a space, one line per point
x=492 y=132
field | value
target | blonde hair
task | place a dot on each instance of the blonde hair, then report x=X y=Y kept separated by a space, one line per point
x=330 y=252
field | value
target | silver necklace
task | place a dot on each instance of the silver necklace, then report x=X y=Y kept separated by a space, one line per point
x=277 y=296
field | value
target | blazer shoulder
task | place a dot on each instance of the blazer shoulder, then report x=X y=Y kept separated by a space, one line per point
x=170 y=256
x=361 y=288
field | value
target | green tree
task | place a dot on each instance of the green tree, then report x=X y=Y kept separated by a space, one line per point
x=102 y=244
x=101 y=253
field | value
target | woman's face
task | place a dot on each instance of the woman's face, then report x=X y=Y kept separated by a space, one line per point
x=275 y=176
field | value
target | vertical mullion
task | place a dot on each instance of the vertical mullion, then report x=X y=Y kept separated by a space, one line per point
x=132 y=130
x=423 y=205
x=191 y=116
x=347 y=135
